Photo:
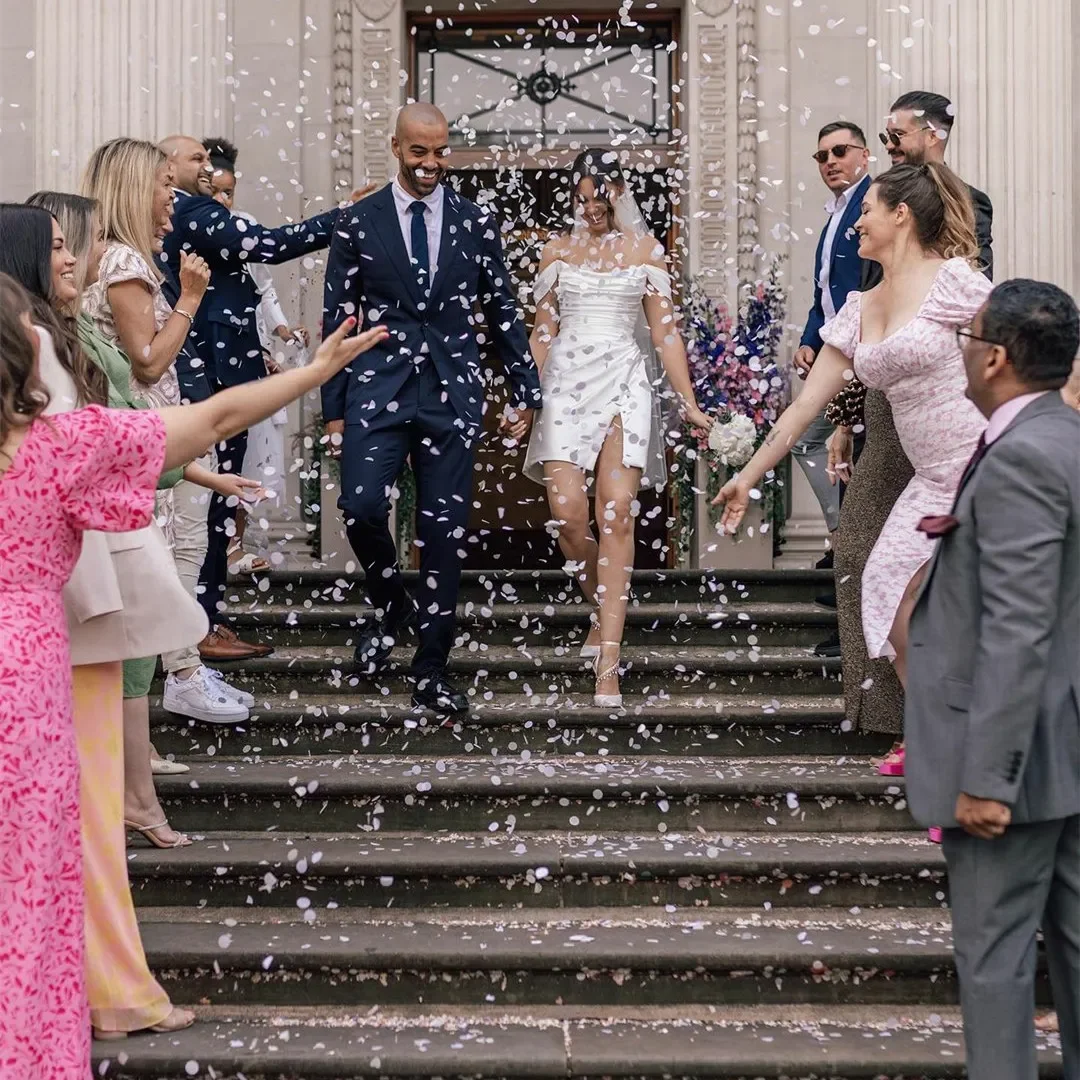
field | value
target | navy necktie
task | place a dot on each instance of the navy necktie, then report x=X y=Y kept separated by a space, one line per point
x=421 y=258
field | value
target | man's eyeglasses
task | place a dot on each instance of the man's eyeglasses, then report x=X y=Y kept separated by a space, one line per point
x=839 y=152
x=964 y=334
x=892 y=138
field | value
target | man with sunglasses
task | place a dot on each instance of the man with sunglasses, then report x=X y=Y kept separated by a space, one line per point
x=917 y=130
x=843 y=162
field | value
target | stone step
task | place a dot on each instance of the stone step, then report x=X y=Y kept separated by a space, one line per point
x=565 y=869
x=527 y=670
x=358 y=793
x=679 y=725
x=771 y=1043
x=544 y=586
x=656 y=624
x=567 y=956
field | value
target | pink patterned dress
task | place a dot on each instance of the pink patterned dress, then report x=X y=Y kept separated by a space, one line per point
x=91 y=469
x=921 y=371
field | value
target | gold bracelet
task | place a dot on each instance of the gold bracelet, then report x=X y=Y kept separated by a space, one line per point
x=181 y=311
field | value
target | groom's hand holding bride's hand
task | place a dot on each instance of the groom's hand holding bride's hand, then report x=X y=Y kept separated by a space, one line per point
x=734 y=497
x=515 y=423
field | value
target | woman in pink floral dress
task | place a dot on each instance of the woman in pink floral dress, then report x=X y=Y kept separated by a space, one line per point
x=92 y=468
x=918 y=223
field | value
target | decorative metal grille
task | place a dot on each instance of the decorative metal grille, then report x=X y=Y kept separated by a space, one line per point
x=549 y=81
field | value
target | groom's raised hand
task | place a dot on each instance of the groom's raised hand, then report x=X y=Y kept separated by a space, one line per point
x=515 y=423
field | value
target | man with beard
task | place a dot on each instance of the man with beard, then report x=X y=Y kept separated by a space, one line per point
x=917 y=130
x=224 y=328
x=421 y=259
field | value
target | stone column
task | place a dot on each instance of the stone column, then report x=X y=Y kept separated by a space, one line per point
x=124 y=67
x=1008 y=70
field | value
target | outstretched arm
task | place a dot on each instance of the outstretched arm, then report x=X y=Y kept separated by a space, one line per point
x=824 y=382
x=222 y=238
x=192 y=429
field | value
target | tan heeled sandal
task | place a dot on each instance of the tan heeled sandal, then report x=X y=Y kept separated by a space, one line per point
x=177 y=1020
x=607 y=701
x=150 y=832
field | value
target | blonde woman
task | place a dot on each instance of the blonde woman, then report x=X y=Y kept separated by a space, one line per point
x=131 y=182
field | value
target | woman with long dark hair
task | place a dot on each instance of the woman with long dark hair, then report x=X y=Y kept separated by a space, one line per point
x=91 y=468
x=918 y=223
x=603 y=304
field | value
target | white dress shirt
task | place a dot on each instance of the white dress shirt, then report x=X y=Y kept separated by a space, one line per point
x=433 y=218
x=836 y=207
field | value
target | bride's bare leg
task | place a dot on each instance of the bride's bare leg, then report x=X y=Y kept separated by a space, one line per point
x=568 y=501
x=616 y=509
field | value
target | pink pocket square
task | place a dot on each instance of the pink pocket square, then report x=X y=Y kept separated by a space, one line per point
x=937 y=525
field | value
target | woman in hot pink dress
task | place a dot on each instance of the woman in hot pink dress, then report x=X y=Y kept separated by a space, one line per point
x=93 y=468
x=918 y=223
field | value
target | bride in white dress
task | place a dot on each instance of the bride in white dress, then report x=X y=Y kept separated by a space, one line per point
x=598 y=287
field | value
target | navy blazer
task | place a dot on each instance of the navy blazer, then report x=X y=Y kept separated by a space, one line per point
x=224 y=326
x=845 y=268
x=368 y=274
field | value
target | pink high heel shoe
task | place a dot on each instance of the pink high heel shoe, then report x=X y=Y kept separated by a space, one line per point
x=893 y=764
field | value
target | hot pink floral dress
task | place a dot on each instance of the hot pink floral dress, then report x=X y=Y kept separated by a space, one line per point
x=921 y=371
x=91 y=469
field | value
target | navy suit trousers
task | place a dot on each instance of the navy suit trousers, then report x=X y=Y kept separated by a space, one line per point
x=215 y=569
x=423 y=427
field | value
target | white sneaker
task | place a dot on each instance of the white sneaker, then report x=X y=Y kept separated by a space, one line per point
x=242 y=696
x=201 y=698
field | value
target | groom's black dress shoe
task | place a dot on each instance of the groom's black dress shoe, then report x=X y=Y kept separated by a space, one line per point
x=435 y=693
x=372 y=652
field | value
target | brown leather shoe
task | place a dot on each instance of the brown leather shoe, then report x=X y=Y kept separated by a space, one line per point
x=229 y=635
x=216 y=647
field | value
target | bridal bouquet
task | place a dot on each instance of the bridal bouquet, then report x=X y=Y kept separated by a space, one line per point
x=733 y=367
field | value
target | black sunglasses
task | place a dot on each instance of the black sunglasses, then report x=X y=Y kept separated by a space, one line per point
x=892 y=138
x=821 y=156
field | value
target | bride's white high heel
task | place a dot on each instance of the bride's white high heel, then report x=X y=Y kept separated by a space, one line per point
x=607 y=701
x=591 y=652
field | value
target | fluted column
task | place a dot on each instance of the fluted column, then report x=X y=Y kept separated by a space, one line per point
x=125 y=67
x=1008 y=70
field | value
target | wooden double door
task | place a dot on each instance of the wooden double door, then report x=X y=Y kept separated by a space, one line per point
x=508 y=524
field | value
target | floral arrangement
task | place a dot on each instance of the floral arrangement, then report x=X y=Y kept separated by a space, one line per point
x=736 y=379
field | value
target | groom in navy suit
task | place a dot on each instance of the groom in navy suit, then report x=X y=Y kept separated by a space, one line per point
x=426 y=262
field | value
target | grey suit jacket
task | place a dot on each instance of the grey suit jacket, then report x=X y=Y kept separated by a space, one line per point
x=993 y=694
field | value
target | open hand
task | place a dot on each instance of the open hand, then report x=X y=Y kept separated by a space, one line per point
x=841 y=447
x=337 y=351
x=985 y=818
x=362 y=192
x=734 y=497
x=515 y=423
x=230 y=486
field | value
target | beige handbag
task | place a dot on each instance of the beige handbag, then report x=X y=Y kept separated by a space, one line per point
x=157 y=614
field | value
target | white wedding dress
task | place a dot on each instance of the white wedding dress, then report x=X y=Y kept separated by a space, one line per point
x=599 y=367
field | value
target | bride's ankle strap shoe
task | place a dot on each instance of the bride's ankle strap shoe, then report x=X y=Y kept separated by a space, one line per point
x=607 y=701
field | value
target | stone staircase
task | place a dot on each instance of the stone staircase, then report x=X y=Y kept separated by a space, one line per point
x=714 y=882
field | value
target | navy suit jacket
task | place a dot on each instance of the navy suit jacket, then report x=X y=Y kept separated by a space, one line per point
x=845 y=269
x=224 y=327
x=368 y=274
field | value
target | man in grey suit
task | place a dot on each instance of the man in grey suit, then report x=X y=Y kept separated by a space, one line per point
x=992 y=718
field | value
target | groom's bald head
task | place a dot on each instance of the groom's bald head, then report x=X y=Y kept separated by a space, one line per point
x=421 y=143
